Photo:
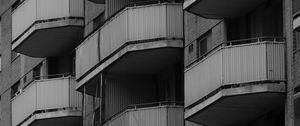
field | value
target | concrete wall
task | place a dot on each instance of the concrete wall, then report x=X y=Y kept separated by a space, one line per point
x=92 y=10
x=12 y=70
x=196 y=27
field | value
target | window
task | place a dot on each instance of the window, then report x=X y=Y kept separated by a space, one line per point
x=202 y=44
x=15 y=89
x=37 y=71
x=191 y=48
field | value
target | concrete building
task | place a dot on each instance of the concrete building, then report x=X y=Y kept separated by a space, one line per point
x=149 y=62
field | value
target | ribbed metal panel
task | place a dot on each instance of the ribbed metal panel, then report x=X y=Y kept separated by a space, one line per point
x=175 y=116
x=23 y=17
x=52 y=94
x=244 y=63
x=75 y=97
x=233 y=65
x=141 y=23
x=49 y=9
x=77 y=8
x=276 y=61
x=174 y=21
x=44 y=95
x=34 y=10
x=154 y=116
x=123 y=90
x=203 y=78
x=23 y=105
x=87 y=54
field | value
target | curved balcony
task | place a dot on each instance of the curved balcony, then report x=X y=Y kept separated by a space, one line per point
x=152 y=114
x=221 y=8
x=48 y=102
x=43 y=28
x=224 y=85
x=135 y=40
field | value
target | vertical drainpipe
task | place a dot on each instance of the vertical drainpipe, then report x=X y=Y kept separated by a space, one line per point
x=288 y=34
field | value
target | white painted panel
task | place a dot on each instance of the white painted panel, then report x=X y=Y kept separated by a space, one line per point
x=23 y=17
x=244 y=63
x=87 y=54
x=76 y=8
x=203 y=78
x=24 y=104
x=49 y=9
x=52 y=94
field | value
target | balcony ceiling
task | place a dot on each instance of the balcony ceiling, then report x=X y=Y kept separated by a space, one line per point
x=236 y=110
x=50 y=41
x=150 y=61
x=63 y=121
x=98 y=1
x=221 y=8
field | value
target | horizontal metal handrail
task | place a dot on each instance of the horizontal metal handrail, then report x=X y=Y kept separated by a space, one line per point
x=144 y=105
x=235 y=42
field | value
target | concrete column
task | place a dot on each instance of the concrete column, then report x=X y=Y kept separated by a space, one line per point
x=288 y=34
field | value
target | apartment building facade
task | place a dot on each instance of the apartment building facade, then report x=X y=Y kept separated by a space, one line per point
x=149 y=63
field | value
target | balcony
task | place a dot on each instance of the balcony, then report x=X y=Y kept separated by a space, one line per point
x=44 y=28
x=224 y=85
x=138 y=38
x=221 y=8
x=153 y=115
x=47 y=102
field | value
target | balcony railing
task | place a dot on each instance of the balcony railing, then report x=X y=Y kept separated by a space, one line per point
x=136 y=24
x=45 y=95
x=235 y=62
x=149 y=114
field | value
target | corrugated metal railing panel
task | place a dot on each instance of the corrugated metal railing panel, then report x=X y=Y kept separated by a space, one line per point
x=74 y=96
x=77 y=8
x=23 y=17
x=113 y=34
x=24 y=104
x=276 y=61
x=147 y=22
x=141 y=23
x=52 y=94
x=49 y=9
x=175 y=21
x=244 y=63
x=153 y=116
x=175 y=116
x=236 y=64
x=87 y=54
x=203 y=78
x=148 y=117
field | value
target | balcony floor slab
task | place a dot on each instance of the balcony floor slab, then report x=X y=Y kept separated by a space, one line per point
x=237 y=105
